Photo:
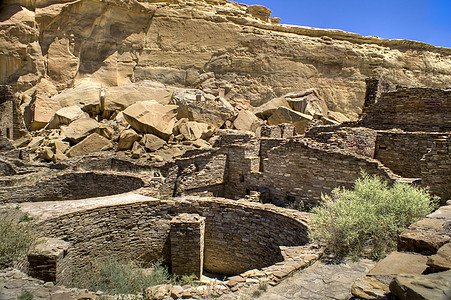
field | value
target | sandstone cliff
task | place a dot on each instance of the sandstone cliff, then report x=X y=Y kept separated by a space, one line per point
x=178 y=43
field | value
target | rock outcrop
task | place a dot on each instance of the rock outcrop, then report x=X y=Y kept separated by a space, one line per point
x=234 y=50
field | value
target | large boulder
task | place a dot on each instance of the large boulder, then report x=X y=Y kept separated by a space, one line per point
x=127 y=139
x=308 y=102
x=152 y=142
x=442 y=260
x=436 y=286
x=399 y=263
x=265 y=111
x=198 y=106
x=247 y=121
x=121 y=97
x=425 y=236
x=286 y=115
x=80 y=129
x=152 y=117
x=93 y=143
x=42 y=107
x=85 y=95
x=192 y=131
x=65 y=116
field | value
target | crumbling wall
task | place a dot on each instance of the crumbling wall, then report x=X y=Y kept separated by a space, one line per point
x=411 y=109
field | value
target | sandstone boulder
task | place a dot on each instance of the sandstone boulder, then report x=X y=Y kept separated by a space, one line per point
x=398 y=263
x=247 y=121
x=425 y=236
x=65 y=116
x=286 y=115
x=442 y=260
x=80 y=129
x=265 y=111
x=85 y=95
x=93 y=143
x=152 y=117
x=152 y=142
x=192 y=131
x=42 y=106
x=121 y=97
x=337 y=116
x=195 y=105
x=369 y=288
x=428 y=287
x=127 y=139
x=308 y=102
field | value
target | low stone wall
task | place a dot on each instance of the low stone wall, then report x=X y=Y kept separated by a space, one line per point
x=411 y=109
x=239 y=235
x=71 y=186
x=402 y=151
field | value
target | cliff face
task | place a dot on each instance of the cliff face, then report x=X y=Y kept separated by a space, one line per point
x=117 y=42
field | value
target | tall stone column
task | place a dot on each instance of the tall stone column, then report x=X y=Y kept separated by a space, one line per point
x=187 y=244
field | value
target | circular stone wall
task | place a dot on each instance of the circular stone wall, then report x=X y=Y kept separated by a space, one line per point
x=239 y=236
x=39 y=187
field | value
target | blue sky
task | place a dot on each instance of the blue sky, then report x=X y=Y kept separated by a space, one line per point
x=421 y=20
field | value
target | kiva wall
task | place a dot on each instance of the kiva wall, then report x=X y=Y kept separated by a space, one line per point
x=239 y=236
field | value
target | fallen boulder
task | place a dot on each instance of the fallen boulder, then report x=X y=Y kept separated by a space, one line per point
x=152 y=142
x=286 y=115
x=65 y=116
x=265 y=111
x=121 y=97
x=246 y=121
x=127 y=139
x=85 y=95
x=428 y=287
x=152 y=117
x=80 y=129
x=93 y=143
x=195 y=105
x=192 y=131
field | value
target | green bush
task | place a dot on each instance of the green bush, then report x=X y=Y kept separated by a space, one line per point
x=370 y=217
x=16 y=236
x=115 y=277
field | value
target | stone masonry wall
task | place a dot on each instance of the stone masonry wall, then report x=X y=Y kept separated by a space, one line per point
x=6 y=112
x=187 y=237
x=239 y=236
x=414 y=109
x=402 y=151
x=436 y=168
x=70 y=186
x=297 y=171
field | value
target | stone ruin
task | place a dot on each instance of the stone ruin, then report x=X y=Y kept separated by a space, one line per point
x=84 y=151
x=118 y=214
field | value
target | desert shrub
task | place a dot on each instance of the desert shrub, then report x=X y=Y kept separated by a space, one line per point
x=370 y=217
x=116 y=277
x=16 y=236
